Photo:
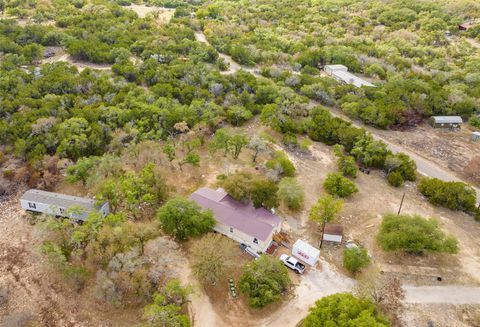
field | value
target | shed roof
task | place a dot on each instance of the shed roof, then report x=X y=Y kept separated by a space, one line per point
x=447 y=119
x=256 y=222
x=349 y=78
x=333 y=229
x=57 y=199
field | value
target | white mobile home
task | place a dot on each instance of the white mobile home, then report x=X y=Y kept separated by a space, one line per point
x=238 y=221
x=61 y=205
x=341 y=74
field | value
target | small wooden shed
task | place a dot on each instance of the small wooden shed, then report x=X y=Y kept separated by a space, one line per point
x=333 y=233
x=449 y=122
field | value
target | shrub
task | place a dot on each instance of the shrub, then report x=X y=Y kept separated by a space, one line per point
x=452 y=195
x=291 y=193
x=343 y=309
x=182 y=219
x=281 y=162
x=354 y=259
x=263 y=280
x=414 y=234
x=336 y=184
x=395 y=179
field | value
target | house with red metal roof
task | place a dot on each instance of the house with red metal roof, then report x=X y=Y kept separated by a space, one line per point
x=239 y=221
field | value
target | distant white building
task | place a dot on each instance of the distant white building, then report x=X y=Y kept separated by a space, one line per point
x=341 y=74
x=61 y=205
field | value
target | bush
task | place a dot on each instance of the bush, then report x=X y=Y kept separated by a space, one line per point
x=182 y=219
x=343 y=309
x=281 y=162
x=291 y=193
x=452 y=195
x=263 y=280
x=354 y=259
x=336 y=184
x=414 y=234
x=395 y=179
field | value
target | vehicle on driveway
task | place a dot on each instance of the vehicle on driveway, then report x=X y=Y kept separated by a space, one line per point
x=247 y=249
x=293 y=263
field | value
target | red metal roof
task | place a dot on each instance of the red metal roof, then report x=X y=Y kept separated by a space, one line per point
x=256 y=222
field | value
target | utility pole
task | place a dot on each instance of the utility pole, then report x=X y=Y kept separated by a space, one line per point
x=401 y=204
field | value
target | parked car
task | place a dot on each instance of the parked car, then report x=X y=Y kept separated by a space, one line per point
x=247 y=249
x=293 y=263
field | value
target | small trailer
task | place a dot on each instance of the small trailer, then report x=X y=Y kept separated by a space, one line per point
x=61 y=205
x=305 y=252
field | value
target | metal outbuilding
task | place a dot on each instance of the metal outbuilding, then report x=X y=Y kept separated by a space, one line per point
x=446 y=121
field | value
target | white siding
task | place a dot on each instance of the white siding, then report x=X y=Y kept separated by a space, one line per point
x=243 y=238
x=332 y=238
x=52 y=210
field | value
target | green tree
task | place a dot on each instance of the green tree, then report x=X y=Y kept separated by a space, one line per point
x=336 y=184
x=82 y=170
x=169 y=150
x=354 y=259
x=452 y=195
x=343 y=309
x=263 y=192
x=264 y=280
x=369 y=152
x=346 y=164
x=326 y=209
x=237 y=115
x=221 y=141
x=414 y=234
x=166 y=309
x=258 y=145
x=213 y=257
x=237 y=142
x=238 y=186
x=395 y=179
x=291 y=193
x=183 y=219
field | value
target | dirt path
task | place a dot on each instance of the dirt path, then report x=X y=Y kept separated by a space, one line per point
x=474 y=43
x=452 y=294
x=233 y=65
x=314 y=285
x=61 y=55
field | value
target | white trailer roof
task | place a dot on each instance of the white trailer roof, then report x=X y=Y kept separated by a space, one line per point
x=349 y=78
x=448 y=119
x=307 y=248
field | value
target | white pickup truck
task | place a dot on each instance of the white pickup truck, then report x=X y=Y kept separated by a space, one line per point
x=292 y=263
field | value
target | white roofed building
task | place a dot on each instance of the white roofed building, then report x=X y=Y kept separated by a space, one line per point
x=341 y=74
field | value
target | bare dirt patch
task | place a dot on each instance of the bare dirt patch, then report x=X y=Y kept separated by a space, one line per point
x=161 y=15
x=449 y=149
x=61 y=55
